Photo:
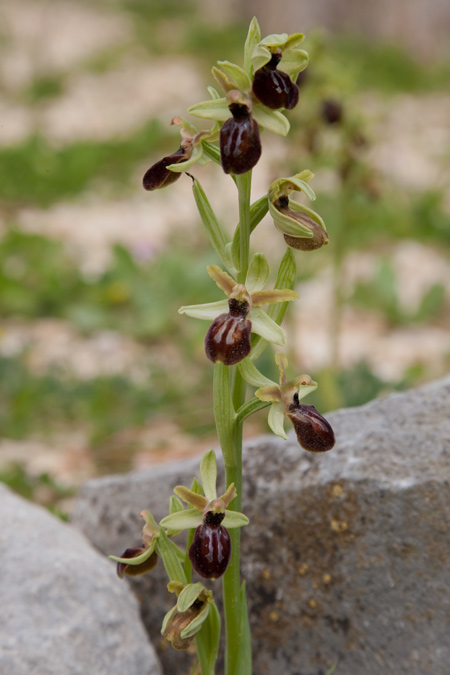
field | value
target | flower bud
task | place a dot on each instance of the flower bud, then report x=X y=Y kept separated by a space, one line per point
x=159 y=176
x=240 y=144
x=228 y=337
x=273 y=88
x=313 y=431
x=210 y=551
x=319 y=234
x=136 y=570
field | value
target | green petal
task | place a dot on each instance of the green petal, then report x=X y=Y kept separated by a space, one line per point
x=273 y=120
x=260 y=56
x=251 y=374
x=234 y=519
x=264 y=326
x=189 y=595
x=257 y=274
x=208 y=475
x=276 y=420
x=184 y=520
x=192 y=498
x=299 y=183
x=208 y=311
x=211 y=110
x=238 y=74
x=253 y=37
x=270 y=297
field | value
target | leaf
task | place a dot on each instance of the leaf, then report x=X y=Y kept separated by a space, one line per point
x=245 y=651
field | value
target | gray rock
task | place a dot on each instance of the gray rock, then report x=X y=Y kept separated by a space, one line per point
x=347 y=553
x=61 y=610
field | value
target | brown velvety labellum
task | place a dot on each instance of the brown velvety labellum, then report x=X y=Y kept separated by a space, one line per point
x=274 y=89
x=240 y=144
x=228 y=339
x=159 y=176
x=210 y=551
x=313 y=431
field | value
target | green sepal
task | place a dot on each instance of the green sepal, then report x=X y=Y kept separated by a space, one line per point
x=189 y=595
x=139 y=558
x=273 y=120
x=175 y=506
x=234 y=519
x=167 y=619
x=208 y=475
x=293 y=62
x=252 y=376
x=196 y=486
x=299 y=183
x=196 y=155
x=252 y=40
x=276 y=420
x=288 y=225
x=196 y=623
x=215 y=109
x=184 y=520
x=264 y=326
x=238 y=74
x=257 y=274
x=291 y=226
x=207 y=311
x=209 y=219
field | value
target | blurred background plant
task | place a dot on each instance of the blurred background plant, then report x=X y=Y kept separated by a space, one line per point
x=98 y=373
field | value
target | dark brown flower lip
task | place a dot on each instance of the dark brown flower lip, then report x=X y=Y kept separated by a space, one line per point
x=274 y=88
x=228 y=339
x=210 y=550
x=159 y=176
x=314 y=432
x=240 y=144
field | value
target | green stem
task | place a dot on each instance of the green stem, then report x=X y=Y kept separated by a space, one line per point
x=233 y=458
x=244 y=184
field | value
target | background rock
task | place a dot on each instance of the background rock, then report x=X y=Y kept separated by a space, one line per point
x=347 y=555
x=61 y=610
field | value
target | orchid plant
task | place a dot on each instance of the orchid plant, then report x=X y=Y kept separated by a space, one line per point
x=253 y=97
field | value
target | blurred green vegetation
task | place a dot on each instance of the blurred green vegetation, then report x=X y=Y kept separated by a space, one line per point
x=139 y=296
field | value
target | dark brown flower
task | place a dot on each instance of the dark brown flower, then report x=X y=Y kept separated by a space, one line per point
x=240 y=144
x=211 y=548
x=228 y=337
x=313 y=431
x=273 y=88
